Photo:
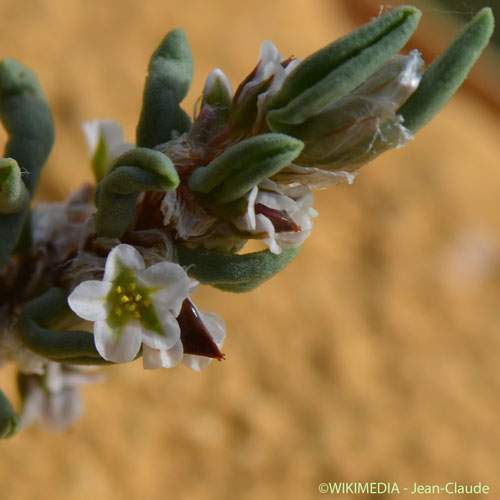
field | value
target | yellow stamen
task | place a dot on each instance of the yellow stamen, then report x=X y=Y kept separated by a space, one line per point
x=119 y=289
x=138 y=297
x=131 y=307
x=118 y=311
x=124 y=299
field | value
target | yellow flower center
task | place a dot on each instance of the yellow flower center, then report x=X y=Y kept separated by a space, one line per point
x=130 y=301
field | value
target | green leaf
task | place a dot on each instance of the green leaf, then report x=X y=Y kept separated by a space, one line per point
x=138 y=170
x=170 y=73
x=27 y=120
x=10 y=422
x=326 y=76
x=14 y=196
x=447 y=72
x=70 y=346
x=233 y=272
x=240 y=167
x=151 y=161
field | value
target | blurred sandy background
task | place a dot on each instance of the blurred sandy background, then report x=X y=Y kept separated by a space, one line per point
x=373 y=357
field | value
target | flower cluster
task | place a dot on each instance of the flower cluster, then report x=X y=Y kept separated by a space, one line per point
x=121 y=259
x=135 y=308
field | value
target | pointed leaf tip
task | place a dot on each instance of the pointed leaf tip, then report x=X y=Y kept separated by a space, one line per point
x=448 y=71
x=329 y=74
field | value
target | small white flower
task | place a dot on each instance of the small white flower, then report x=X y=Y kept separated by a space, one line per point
x=271 y=65
x=214 y=327
x=282 y=216
x=132 y=305
x=52 y=399
x=106 y=141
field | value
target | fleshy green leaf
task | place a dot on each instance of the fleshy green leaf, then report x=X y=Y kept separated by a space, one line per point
x=27 y=120
x=242 y=166
x=10 y=421
x=14 y=196
x=170 y=73
x=447 y=72
x=70 y=346
x=232 y=272
x=329 y=74
x=138 y=170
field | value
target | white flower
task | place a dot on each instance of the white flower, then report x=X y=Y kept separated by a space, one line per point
x=132 y=305
x=53 y=399
x=106 y=141
x=201 y=331
x=281 y=216
x=271 y=65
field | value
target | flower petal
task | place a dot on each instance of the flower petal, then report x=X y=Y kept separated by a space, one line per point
x=62 y=409
x=122 y=256
x=264 y=225
x=171 y=329
x=110 y=131
x=88 y=300
x=172 y=282
x=167 y=358
x=91 y=132
x=196 y=363
x=277 y=201
x=215 y=325
x=118 y=348
x=249 y=217
x=193 y=286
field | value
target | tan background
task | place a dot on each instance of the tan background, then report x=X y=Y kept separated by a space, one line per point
x=373 y=357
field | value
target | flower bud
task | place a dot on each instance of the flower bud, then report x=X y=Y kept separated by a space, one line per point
x=255 y=93
x=217 y=91
x=216 y=105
